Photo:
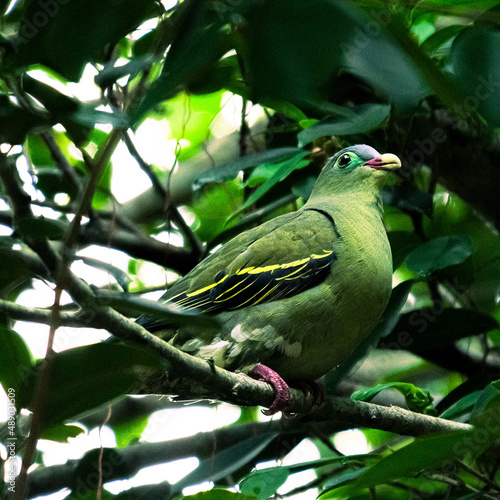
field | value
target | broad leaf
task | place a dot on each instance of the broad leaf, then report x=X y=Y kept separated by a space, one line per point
x=402 y=243
x=487 y=408
x=417 y=456
x=39 y=227
x=230 y=170
x=461 y=407
x=16 y=122
x=440 y=37
x=86 y=377
x=226 y=462
x=440 y=253
x=475 y=56
x=219 y=494
x=200 y=42
x=357 y=120
x=62 y=433
x=408 y=198
x=282 y=172
x=418 y=400
x=408 y=461
x=43 y=35
x=16 y=360
x=13 y=271
x=264 y=483
x=436 y=327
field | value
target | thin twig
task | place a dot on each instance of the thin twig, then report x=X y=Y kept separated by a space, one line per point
x=195 y=244
x=61 y=162
x=472 y=472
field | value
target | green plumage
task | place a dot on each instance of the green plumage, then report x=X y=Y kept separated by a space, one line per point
x=301 y=291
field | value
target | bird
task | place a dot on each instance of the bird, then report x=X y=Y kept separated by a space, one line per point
x=294 y=296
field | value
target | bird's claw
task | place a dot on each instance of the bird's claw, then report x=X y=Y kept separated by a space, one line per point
x=282 y=400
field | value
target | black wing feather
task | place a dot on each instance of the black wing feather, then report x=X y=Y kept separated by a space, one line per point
x=255 y=285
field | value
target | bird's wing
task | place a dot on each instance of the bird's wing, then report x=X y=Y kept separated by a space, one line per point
x=278 y=259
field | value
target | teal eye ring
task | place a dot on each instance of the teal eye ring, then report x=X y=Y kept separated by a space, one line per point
x=344 y=161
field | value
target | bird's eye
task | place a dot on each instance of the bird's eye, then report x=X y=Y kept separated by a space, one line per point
x=344 y=160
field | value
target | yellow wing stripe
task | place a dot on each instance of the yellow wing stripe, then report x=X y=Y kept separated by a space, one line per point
x=219 y=299
x=292 y=273
x=205 y=289
x=287 y=265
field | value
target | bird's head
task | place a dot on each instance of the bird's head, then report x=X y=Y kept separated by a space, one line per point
x=355 y=169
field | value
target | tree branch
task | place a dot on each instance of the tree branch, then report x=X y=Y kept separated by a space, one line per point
x=240 y=389
x=129 y=460
x=136 y=245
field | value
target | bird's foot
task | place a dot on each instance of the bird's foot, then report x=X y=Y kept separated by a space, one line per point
x=282 y=399
x=315 y=390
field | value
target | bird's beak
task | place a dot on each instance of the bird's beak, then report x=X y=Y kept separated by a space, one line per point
x=387 y=162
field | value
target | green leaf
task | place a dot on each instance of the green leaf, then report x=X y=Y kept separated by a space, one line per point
x=109 y=74
x=130 y=431
x=77 y=376
x=264 y=483
x=461 y=407
x=94 y=25
x=432 y=43
x=62 y=433
x=303 y=188
x=418 y=400
x=230 y=170
x=386 y=324
x=92 y=494
x=13 y=271
x=475 y=57
x=359 y=119
x=487 y=408
x=309 y=61
x=213 y=207
x=53 y=100
x=436 y=327
x=108 y=461
x=219 y=494
x=473 y=385
x=40 y=227
x=419 y=73
x=39 y=153
x=199 y=42
x=16 y=123
x=408 y=198
x=416 y=456
x=282 y=172
x=338 y=482
x=16 y=360
x=421 y=454
x=402 y=243
x=226 y=462
x=440 y=253
x=51 y=181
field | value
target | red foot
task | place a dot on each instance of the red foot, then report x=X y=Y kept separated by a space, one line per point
x=282 y=399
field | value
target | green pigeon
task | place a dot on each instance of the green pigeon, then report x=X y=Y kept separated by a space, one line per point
x=296 y=295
